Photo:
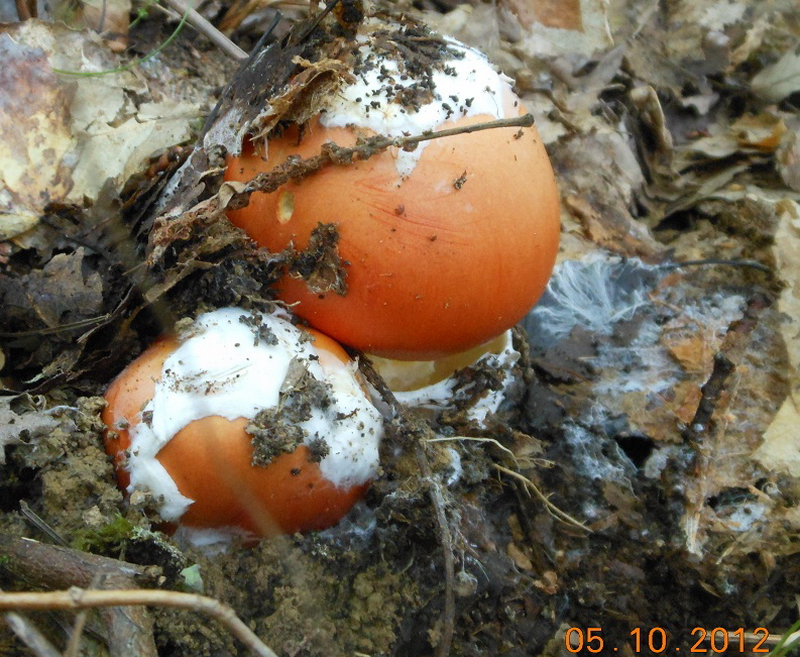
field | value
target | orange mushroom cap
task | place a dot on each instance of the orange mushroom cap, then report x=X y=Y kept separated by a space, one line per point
x=444 y=248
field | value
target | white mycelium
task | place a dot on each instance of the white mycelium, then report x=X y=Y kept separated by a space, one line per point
x=392 y=97
x=500 y=356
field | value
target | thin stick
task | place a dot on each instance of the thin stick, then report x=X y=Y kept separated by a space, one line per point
x=207 y=29
x=558 y=513
x=74 y=643
x=524 y=121
x=30 y=635
x=57 y=567
x=23 y=10
x=788 y=640
x=40 y=524
x=76 y=637
x=710 y=394
x=77 y=598
x=296 y=167
x=130 y=630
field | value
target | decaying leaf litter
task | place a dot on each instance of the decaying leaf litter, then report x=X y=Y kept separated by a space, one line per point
x=646 y=475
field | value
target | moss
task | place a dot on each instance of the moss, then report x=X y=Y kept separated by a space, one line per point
x=110 y=537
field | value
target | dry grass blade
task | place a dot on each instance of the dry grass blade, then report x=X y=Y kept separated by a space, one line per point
x=77 y=598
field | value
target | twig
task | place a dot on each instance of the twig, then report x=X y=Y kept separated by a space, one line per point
x=368 y=371
x=316 y=21
x=58 y=567
x=28 y=633
x=77 y=598
x=40 y=524
x=207 y=29
x=558 y=513
x=296 y=167
x=102 y=20
x=381 y=142
x=709 y=396
x=24 y=10
x=38 y=564
x=786 y=640
x=74 y=643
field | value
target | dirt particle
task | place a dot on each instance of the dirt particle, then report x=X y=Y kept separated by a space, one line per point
x=319 y=264
x=276 y=430
x=261 y=331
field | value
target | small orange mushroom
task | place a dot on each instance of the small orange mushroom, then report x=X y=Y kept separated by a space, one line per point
x=244 y=424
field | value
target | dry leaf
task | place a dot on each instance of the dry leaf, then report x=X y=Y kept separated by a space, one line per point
x=692 y=352
x=116 y=150
x=777 y=81
x=762 y=132
x=576 y=27
x=780 y=450
x=34 y=137
x=59 y=294
x=548 y=582
x=788 y=157
x=564 y=14
x=105 y=128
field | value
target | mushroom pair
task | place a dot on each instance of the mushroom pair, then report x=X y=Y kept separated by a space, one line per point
x=440 y=246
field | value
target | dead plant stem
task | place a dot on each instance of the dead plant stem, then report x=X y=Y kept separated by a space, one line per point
x=415 y=427
x=130 y=630
x=477 y=439
x=437 y=499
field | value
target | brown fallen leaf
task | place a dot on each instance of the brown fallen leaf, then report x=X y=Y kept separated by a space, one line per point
x=564 y=14
x=62 y=292
x=616 y=231
x=35 y=136
x=779 y=449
